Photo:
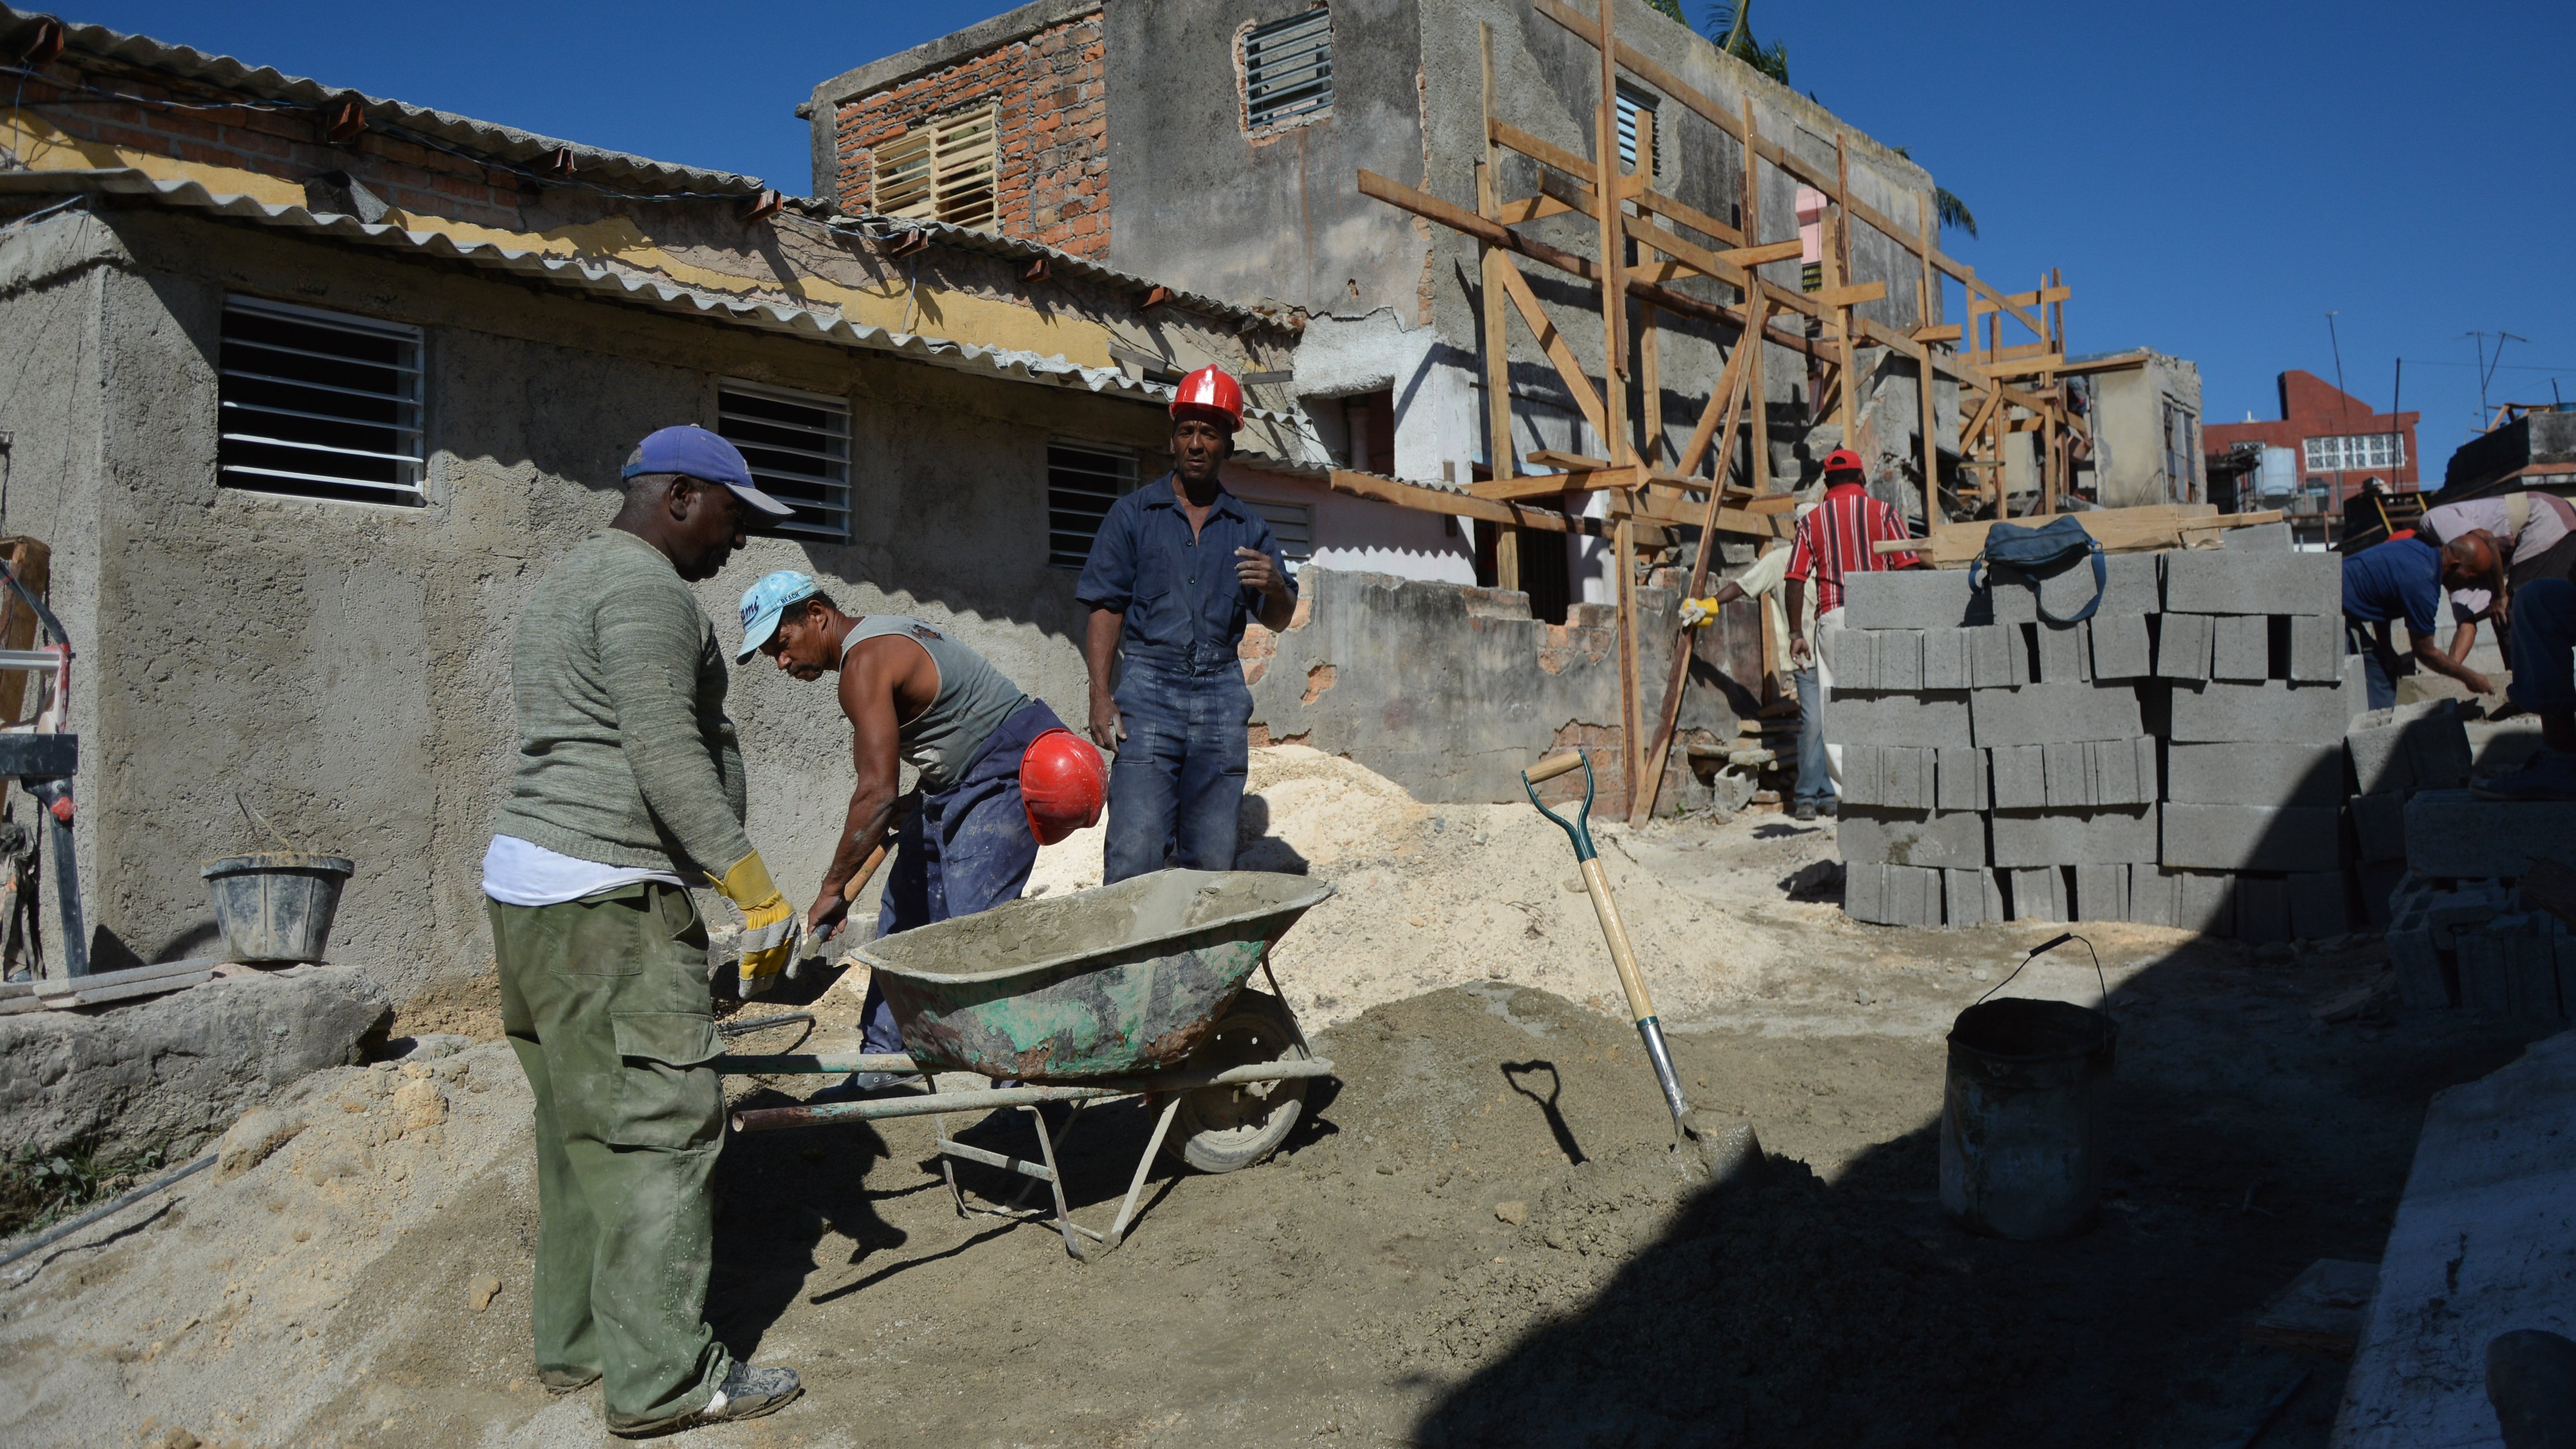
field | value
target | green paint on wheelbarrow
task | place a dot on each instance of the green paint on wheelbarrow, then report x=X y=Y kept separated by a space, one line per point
x=1101 y=983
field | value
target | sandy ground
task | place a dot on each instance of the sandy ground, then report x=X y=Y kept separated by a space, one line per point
x=1477 y=1236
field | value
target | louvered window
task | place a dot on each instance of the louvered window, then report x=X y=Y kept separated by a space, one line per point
x=1081 y=484
x=1288 y=68
x=1293 y=525
x=798 y=446
x=1636 y=113
x=942 y=170
x=318 y=404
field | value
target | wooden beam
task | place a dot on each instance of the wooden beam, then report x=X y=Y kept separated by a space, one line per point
x=1499 y=463
x=1534 y=208
x=1724 y=399
x=1559 y=352
x=1570 y=462
x=1948 y=332
x=1757 y=386
x=1423 y=498
x=1697 y=220
x=1553 y=485
x=1851 y=295
x=1545 y=153
x=1924 y=412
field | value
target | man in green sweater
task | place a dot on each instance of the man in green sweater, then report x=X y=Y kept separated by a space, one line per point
x=628 y=786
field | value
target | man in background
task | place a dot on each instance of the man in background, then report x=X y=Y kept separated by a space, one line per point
x=1834 y=540
x=1762 y=580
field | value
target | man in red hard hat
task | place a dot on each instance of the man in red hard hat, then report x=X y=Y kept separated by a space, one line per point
x=1000 y=775
x=1834 y=538
x=1178 y=569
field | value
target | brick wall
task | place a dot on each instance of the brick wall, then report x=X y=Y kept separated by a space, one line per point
x=1053 y=147
x=289 y=142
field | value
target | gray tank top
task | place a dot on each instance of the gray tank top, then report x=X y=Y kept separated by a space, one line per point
x=974 y=698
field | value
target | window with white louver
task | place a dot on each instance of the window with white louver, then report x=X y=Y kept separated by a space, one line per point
x=798 y=446
x=318 y=404
x=942 y=170
x=1288 y=68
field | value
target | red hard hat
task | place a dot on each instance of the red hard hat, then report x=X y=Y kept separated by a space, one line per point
x=1843 y=460
x=1062 y=784
x=1211 y=390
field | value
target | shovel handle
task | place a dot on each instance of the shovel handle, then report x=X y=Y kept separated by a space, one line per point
x=1614 y=932
x=1555 y=765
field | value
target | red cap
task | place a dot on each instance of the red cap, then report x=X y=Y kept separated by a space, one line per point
x=1843 y=460
x=1062 y=784
x=1210 y=390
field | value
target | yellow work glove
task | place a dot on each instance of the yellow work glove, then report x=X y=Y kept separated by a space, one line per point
x=768 y=922
x=1696 y=612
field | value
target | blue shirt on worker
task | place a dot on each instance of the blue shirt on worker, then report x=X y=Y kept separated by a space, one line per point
x=2400 y=579
x=1183 y=606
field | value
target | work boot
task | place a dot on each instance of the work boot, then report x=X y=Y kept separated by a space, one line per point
x=746 y=1393
x=560 y=1383
x=2548 y=775
x=1803 y=810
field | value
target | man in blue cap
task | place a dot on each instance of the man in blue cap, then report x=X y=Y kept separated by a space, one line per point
x=627 y=788
x=914 y=696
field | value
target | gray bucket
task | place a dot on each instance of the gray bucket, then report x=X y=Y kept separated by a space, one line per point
x=276 y=905
x=2021 y=1116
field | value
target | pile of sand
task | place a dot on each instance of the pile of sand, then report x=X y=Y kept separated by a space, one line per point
x=1428 y=896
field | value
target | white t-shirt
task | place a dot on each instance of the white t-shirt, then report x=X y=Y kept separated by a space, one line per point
x=522 y=873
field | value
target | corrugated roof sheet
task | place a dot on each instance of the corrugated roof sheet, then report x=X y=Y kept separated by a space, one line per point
x=1287 y=438
x=503 y=143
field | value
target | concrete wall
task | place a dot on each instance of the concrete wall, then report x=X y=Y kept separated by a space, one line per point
x=345 y=666
x=1454 y=691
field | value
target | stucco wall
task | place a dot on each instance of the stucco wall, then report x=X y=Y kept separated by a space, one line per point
x=345 y=666
x=2129 y=440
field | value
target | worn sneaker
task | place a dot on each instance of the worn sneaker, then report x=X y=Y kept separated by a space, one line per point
x=862 y=1087
x=746 y=1393
x=1803 y=810
x=2548 y=775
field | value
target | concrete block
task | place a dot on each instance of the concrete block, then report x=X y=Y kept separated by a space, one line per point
x=2182 y=646
x=1945 y=659
x=2261 y=538
x=2378 y=879
x=2316 y=648
x=1860 y=775
x=2019 y=775
x=2452 y=833
x=1852 y=655
x=2054 y=837
x=2063 y=653
x=1865 y=891
x=2101 y=892
x=1969 y=896
x=2318 y=907
x=2240 y=647
x=2207 y=903
x=2421 y=982
x=1992 y=884
x=2379 y=826
x=2262 y=908
x=2131 y=585
x=1913 y=896
x=2155 y=895
x=1899 y=660
x=1960 y=779
x=1995 y=657
x=2274 y=711
x=2530 y=967
x=1901 y=778
x=1912 y=837
x=2483 y=985
x=1907 y=598
x=2151 y=759
x=2070 y=776
x=1899 y=719
x=2423 y=746
x=2252 y=837
x=2118 y=778
x=2122 y=647
x=2254 y=774
x=2234 y=581
x=2452 y=914
x=2040 y=714
x=2039 y=893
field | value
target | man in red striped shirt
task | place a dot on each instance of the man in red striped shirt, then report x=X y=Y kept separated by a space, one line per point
x=1834 y=539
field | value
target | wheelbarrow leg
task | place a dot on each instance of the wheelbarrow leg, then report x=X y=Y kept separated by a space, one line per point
x=1144 y=1169
x=1055 y=1180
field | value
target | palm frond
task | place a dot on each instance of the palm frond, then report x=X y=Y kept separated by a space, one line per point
x=1672 y=9
x=1952 y=211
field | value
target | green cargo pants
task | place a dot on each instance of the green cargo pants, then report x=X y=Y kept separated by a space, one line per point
x=605 y=1000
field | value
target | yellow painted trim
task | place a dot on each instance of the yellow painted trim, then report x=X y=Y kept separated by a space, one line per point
x=929 y=311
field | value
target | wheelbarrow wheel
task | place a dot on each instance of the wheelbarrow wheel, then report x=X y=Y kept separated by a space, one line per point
x=1219 y=1129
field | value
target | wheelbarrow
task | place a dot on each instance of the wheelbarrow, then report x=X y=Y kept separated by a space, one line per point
x=1132 y=990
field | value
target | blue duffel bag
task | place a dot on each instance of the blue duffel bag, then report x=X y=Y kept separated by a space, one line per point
x=2030 y=554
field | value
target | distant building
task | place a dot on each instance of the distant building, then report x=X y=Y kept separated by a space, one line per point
x=2536 y=449
x=2325 y=445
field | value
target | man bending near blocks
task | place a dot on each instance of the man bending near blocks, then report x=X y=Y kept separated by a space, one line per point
x=627 y=788
x=1000 y=774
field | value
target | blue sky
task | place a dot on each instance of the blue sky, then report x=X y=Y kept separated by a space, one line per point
x=2213 y=178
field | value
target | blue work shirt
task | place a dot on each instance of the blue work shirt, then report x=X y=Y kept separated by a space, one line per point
x=2399 y=579
x=1183 y=607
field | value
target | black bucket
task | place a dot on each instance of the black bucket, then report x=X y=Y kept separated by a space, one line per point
x=2021 y=1116
x=276 y=905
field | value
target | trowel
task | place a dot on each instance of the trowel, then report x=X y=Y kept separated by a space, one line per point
x=1726 y=1152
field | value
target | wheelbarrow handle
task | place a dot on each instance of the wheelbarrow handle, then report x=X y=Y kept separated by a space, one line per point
x=1579 y=829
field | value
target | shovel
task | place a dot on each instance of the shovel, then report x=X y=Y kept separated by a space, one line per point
x=1726 y=1152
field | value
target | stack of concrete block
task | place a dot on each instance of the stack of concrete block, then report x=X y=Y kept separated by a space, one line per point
x=2477 y=943
x=2175 y=759
x=2394 y=753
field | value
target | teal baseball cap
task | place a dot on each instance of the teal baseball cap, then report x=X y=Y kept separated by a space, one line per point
x=763 y=602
